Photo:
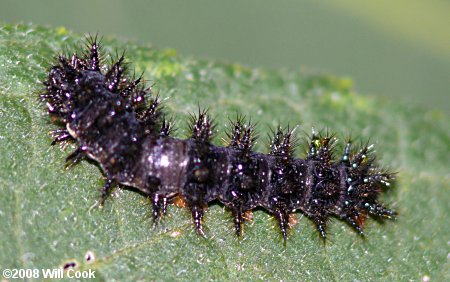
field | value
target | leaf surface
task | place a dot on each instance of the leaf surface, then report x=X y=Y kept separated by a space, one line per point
x=45 y=219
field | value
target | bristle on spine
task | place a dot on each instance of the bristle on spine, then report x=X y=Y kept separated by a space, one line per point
x=201 y=126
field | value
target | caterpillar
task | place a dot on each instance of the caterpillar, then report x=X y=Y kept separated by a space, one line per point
x=117 y=123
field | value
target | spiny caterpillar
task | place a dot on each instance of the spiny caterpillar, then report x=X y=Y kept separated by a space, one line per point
x=113 y=122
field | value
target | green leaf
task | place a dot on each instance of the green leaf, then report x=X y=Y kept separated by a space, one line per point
x=45 y=219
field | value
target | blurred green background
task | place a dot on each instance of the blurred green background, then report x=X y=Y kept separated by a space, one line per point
x=399 y=49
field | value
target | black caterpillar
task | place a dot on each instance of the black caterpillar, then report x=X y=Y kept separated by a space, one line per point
x=106 y=112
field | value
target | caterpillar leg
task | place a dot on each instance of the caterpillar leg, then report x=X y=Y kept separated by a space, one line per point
x=106 y=190
x=159 y=207
x=197 y=215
